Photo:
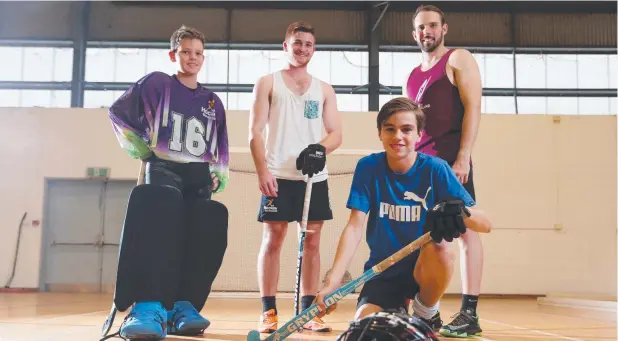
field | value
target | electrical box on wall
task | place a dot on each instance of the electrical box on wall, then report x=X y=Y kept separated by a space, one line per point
x=97 y=172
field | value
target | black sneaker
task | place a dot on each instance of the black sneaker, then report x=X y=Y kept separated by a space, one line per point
x=435 y=322
x=464 y=324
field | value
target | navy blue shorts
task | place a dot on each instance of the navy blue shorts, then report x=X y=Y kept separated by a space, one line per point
x=288 y=204
x=390 y=293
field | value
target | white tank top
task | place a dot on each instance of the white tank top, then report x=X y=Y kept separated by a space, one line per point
x=294 y=122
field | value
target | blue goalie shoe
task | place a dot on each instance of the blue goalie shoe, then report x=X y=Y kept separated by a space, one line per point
x=185 y=320
x=147 y=320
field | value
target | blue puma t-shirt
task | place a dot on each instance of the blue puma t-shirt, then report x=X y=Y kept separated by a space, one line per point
x=397 y=203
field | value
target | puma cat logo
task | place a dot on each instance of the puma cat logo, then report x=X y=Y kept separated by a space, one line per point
x=412 y=196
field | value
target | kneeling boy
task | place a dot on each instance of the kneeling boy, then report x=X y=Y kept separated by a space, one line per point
x=401 y=192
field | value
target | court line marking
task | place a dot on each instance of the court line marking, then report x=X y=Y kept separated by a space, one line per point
x=533 y=330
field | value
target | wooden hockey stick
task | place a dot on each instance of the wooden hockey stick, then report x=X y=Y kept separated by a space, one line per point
x=310 y=313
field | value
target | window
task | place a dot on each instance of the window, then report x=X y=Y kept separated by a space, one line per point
x=246 y=67
x=100 y=65
x=35 y=98
x=593 y=71
x=566 y=105
x=36 y=64
x=531 y=71
x=403 y=63
x=498 y=71
x=11 y=60
x=100 y=98
x=349 y=68
x=594 y=106
x=613 y=71
x=320 y=66
x=115 y=65
x=214 y=70
x=532 y=105
x=387 y=69
x=480 y=61
x=129 y=65
x=565 y=71
x=499 y=105
x=237 y=100
x=10 y=98
x=158 y=60
x=395 y=67
x=562 y=106
x=561 y=71
x=353 y=102
x=385 y=98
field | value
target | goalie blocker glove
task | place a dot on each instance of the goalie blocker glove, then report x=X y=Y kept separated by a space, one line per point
x=312 y=159
x=445 y=220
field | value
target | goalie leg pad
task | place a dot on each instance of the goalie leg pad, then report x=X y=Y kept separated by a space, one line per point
x=150 y=247
x=205 y=246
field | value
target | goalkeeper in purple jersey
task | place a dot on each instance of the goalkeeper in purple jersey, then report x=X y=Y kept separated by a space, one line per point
x=174 y=235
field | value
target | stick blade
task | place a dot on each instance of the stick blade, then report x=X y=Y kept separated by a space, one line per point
x=108 y=322
x=253 y=335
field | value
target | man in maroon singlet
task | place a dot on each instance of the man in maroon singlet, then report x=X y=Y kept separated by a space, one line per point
x=448 y=83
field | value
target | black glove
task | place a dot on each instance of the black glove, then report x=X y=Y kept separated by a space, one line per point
x=312 y=159
x=445 y=220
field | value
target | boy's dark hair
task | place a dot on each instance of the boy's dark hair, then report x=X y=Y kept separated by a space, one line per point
x=299 y=26
x=185 y=32
x=400 y=104
x=429 y=8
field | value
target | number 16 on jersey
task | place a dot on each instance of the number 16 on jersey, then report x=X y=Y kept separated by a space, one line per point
x=192 y=135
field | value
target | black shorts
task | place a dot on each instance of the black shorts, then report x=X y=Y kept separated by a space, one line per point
x=390 y=293
x=289 y=202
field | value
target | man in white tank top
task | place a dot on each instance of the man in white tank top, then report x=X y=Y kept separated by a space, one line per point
x=301 y=119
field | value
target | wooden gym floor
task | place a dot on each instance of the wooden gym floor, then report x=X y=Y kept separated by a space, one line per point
x=79 y=317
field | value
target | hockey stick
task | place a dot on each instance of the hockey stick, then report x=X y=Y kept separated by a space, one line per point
x=301 y=244
x=310 y=313
x=107 y=325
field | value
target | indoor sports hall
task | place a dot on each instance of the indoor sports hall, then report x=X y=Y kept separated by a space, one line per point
x=544 y=159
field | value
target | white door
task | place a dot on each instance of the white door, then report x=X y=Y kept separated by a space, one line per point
x=81 y=234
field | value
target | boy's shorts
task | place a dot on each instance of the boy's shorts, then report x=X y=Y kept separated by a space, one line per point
x=290 y=199
x=392 y=292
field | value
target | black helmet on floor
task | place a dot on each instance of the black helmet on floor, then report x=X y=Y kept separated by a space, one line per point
x=388 y=326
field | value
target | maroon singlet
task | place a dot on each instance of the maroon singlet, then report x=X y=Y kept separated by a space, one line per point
x=442 y=134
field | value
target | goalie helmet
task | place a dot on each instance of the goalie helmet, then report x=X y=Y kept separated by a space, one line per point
x=388 y=326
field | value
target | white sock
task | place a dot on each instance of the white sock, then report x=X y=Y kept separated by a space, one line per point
x=423 y=311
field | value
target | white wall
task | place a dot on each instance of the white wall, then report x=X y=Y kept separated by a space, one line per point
x=532 y=174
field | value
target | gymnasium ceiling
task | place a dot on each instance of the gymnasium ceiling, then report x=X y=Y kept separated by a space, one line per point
x=478 y=23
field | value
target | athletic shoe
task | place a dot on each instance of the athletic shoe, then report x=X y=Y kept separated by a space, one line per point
x=185 y=320
x=147 y=320
x=464 y=324
x=317 y=325
x=435 y=322
x=268 y=322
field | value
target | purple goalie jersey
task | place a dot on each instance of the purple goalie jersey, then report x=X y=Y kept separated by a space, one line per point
x=160 y=115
